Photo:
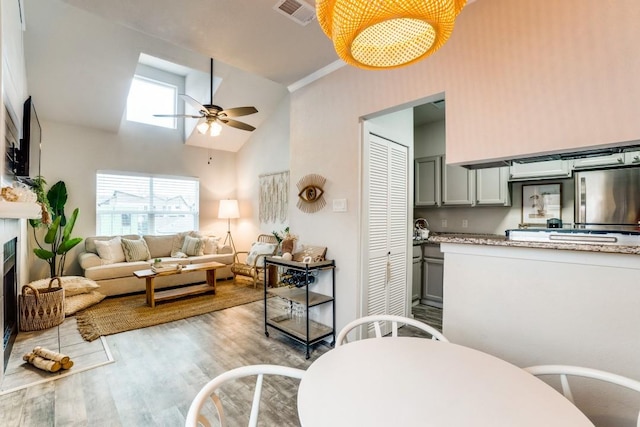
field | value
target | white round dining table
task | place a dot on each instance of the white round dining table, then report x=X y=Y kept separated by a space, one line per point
x=408 y=381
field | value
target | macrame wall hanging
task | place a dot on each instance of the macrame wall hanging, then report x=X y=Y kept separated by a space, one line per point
x=311 y=194
x=273 y=200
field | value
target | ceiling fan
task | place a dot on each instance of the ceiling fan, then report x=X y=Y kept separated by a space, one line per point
x=214 y=114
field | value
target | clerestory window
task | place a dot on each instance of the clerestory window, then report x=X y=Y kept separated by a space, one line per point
x=148 y=97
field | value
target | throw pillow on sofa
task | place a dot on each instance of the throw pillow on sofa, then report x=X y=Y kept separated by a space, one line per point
x=178 y=242
x=260 y=248
x=110 y=251
x=193 y=246
x=135 y=250
x=211 y=245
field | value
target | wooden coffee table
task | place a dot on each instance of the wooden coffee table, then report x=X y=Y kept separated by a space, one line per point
x=152 y=296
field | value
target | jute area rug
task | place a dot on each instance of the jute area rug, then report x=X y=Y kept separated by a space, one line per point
x=120 y=314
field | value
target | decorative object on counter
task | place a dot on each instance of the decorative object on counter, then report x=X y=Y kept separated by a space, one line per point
x=58 y=226
x=41 y=309
x=311 y=194
x=554 y=223
x=390 y=34
x=273 y=199
x=541 y=202
x=421 y=228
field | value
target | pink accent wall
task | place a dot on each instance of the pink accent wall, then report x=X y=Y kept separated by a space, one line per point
x=520 y=78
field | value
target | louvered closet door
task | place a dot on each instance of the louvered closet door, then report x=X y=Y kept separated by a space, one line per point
x=387 y=189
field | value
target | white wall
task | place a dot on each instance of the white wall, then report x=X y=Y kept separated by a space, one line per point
x=539 y=306
x=266 y=152
x=74 y=154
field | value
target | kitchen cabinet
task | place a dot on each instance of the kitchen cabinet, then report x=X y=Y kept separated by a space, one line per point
x=294 y=317
x=458 y=185
x=438 y=184
x=416 y=288
x=599 y=161
x=540 y=170
x=492 y=187
x=427 y=171
x=632 y=158
x=433 y=275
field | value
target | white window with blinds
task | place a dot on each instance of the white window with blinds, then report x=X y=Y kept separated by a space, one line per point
x=128 y=203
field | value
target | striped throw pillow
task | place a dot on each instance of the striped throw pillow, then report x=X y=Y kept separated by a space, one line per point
x=193 y=246
x=135 y=250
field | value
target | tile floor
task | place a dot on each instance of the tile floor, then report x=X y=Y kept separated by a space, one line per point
x=64 y=339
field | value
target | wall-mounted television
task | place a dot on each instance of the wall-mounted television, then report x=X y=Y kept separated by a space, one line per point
x=28 y=157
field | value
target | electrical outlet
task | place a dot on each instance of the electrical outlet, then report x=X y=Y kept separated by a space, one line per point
x=465 y=223
x=444 y=223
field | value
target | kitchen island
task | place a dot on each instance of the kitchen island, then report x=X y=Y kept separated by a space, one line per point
x=544 y=303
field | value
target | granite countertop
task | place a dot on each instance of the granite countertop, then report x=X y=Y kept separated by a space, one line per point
x=500 y=240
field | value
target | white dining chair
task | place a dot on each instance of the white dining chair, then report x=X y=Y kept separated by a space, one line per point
x=196 y=417
x=567 y=370
x=396 y=321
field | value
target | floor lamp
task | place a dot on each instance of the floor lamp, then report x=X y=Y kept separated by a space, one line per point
x=228 y=210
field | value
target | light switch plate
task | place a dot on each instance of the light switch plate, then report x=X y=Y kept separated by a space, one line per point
x=340 y=205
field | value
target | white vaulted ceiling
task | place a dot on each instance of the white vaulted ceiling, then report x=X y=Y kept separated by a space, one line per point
x=81 y=55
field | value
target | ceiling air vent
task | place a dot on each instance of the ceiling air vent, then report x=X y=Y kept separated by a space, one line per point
x=298 y=11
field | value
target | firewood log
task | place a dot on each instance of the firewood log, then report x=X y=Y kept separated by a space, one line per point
x=68 y=364
x=42 y=363
x=51 y=355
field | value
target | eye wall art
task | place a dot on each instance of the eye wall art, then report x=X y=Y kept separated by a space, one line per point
x=310 y=193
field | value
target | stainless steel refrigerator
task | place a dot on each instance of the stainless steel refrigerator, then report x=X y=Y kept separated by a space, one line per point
x=608 y=199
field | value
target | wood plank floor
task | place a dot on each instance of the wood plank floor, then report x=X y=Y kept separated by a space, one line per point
x=158 y=371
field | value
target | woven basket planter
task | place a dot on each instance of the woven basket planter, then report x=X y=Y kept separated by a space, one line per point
x=41 y=309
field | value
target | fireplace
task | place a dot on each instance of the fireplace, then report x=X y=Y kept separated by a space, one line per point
x=10 y=300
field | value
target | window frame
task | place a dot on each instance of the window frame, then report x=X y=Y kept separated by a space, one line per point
x=168 y=78
x=150 y=210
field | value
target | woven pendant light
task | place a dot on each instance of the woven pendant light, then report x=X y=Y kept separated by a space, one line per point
x=375 y=34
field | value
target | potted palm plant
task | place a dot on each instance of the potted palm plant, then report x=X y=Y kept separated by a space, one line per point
x=57 y=240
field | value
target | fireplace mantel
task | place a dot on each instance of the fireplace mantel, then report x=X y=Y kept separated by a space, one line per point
x=17 y=210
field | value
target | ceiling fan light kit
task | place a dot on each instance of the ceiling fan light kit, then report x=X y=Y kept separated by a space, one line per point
x=213 y=128
x=213 y=115
x=387 y=34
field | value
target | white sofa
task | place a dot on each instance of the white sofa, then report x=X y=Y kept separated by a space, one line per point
x=116 y=278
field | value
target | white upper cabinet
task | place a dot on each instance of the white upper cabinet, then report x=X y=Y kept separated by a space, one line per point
x=632 y=158
x=598 y=161
x=458 y=186
x=492 y=187
x=540 y=170
x=427 y=183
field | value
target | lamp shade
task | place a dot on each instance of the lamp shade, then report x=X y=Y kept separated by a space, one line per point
x=387 y=34
x=228 y=209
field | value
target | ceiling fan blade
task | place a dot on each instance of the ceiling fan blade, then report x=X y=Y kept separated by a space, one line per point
x=239 y=111
x=195 y=104
x=178 y=115
x=236 y=124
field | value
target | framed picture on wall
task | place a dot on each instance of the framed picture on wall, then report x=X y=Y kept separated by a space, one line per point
x=540 y=203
